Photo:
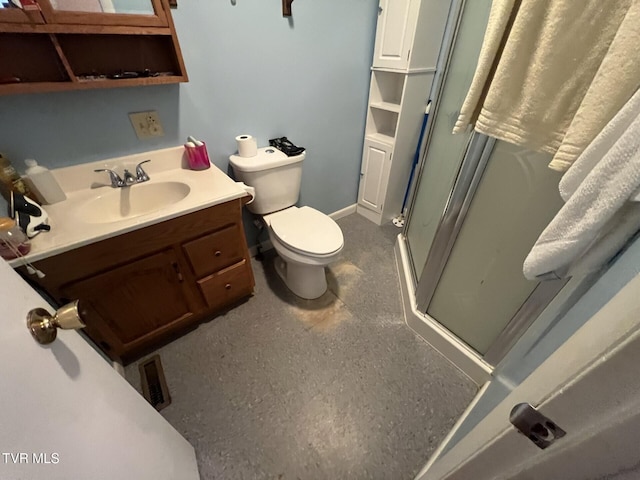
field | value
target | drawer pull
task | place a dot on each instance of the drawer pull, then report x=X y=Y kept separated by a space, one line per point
x=228 y=286
x=218 y=253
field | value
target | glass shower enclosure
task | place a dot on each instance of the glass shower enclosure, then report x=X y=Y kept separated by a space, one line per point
x=477 y=208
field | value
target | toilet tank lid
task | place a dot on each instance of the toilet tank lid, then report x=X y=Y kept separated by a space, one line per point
x=267 y=157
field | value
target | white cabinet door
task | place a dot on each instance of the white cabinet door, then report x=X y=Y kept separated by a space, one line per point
x=374 y=174
x=394 y=34
x=66 y=414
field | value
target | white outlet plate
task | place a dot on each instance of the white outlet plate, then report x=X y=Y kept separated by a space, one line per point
x=146 y=124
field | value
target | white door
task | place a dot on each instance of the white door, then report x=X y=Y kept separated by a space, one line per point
x=393 y=34
x=590 y=387
x=374 y=173
x=66 y=414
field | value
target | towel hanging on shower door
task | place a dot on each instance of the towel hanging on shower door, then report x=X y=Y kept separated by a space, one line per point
x=552 y=73
x=598 y=218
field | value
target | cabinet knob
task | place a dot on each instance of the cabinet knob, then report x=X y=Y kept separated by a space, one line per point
x=218 y=253
x=380 y=9
x=228 y=286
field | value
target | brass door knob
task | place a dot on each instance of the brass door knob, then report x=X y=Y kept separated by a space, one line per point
x=44 y=327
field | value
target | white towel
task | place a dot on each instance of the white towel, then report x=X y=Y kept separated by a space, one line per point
x=552 y=73
x=597 y=219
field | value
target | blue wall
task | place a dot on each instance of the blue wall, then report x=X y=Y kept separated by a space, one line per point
x=251 y=71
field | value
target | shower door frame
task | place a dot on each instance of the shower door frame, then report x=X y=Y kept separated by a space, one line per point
x=476 y=157
x=469 y=175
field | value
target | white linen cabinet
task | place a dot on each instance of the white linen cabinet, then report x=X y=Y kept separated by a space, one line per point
x=408 y=39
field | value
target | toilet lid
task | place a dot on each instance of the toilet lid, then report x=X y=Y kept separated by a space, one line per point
x=307 y=230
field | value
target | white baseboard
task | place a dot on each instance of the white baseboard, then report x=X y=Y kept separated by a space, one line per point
x=343 y=212
x=267 y=245
x=452 y=348
x=370 y=215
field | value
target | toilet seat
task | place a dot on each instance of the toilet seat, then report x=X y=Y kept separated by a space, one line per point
x=306 y=230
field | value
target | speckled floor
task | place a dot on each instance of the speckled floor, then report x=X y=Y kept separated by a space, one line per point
x=334 y=388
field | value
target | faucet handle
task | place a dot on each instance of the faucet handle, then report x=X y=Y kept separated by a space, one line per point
x=140 y=173
x=116 y=181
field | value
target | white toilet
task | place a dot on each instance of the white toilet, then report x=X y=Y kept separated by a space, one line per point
x=306 y=240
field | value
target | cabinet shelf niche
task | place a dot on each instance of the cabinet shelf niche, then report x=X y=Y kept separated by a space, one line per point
x=381 y=124
x=30 y=58
x=93 y=55
x=386 y=88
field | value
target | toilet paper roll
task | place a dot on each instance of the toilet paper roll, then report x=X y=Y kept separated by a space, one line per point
x=247 y=146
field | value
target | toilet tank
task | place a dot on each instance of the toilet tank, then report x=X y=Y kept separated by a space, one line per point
x=275 y=177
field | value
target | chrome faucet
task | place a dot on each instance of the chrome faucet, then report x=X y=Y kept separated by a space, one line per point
x=129 y=179
x=141 y=175
x=116 y=181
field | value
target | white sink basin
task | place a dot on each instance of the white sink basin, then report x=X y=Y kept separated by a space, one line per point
x=118 y=204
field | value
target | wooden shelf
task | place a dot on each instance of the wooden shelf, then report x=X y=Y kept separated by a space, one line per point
x=82 y=29
x=41 y=87
x=58 y=55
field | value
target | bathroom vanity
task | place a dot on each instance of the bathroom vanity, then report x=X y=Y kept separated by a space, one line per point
x=149 y=269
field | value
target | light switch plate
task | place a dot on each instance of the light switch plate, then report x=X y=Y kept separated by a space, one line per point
x=146 y=124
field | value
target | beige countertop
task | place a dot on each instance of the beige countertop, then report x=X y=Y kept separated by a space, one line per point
x=80 y=219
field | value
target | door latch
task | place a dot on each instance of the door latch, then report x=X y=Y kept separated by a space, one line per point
x=535 y=426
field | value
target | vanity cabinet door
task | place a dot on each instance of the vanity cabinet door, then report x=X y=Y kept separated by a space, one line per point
x=133 y=304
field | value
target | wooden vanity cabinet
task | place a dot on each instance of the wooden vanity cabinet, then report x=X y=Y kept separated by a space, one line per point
x=123 y=303
x=141 y=289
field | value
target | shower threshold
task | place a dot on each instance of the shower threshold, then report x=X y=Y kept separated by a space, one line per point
x=454 y=350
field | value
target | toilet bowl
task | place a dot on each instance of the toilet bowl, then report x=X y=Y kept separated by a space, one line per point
x=306 y=241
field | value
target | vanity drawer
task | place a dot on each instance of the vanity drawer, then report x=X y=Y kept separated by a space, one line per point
x=215 y=251
x=228 y=285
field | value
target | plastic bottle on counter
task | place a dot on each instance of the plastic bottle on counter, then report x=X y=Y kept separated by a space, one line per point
x=44 y=182
x=10 y=180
